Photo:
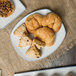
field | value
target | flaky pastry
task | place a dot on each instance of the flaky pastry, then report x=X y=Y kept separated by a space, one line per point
x=33 y=52
x=52 y=21
x=46 y=35
x=25 y=40
x=33 y=22
x=20 y=30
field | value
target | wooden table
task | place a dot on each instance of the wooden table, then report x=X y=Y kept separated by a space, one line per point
x=11 y=62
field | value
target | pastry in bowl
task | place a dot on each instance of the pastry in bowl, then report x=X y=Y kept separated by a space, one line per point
x=6 y=8
x=33 y=22
x=46 y=35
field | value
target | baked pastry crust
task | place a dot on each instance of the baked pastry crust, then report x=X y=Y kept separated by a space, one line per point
x=33 y=52
x=25 y=40
x=39 y=44
x=46 y=35
x=6 y=8
x=20 y=30
x=33 y=22
x=53 y=21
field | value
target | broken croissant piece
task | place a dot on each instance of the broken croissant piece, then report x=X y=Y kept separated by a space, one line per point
x=33 y=52
x=39 y=44
x=20 y=30
x=25 y=40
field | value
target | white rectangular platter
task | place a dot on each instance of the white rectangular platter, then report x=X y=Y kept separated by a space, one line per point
x=46 y=51
x=50 y=72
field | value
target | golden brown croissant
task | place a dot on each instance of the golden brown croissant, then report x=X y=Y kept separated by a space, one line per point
x=33 y=52
x=25 y=40
x=6 y=8
x=33 y=22
x=46 y=35
x=20 y=30
x=52 y=21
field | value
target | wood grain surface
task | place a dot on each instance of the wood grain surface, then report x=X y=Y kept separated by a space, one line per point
x=11 y=62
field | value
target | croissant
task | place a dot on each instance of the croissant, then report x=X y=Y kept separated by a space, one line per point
x=33 y=22
x=52 y=21
x=46 y=35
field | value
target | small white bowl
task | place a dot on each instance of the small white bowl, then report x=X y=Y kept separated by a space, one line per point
x=46 y=51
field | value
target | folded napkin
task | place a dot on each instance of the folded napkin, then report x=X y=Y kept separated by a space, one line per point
x=19 y=8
